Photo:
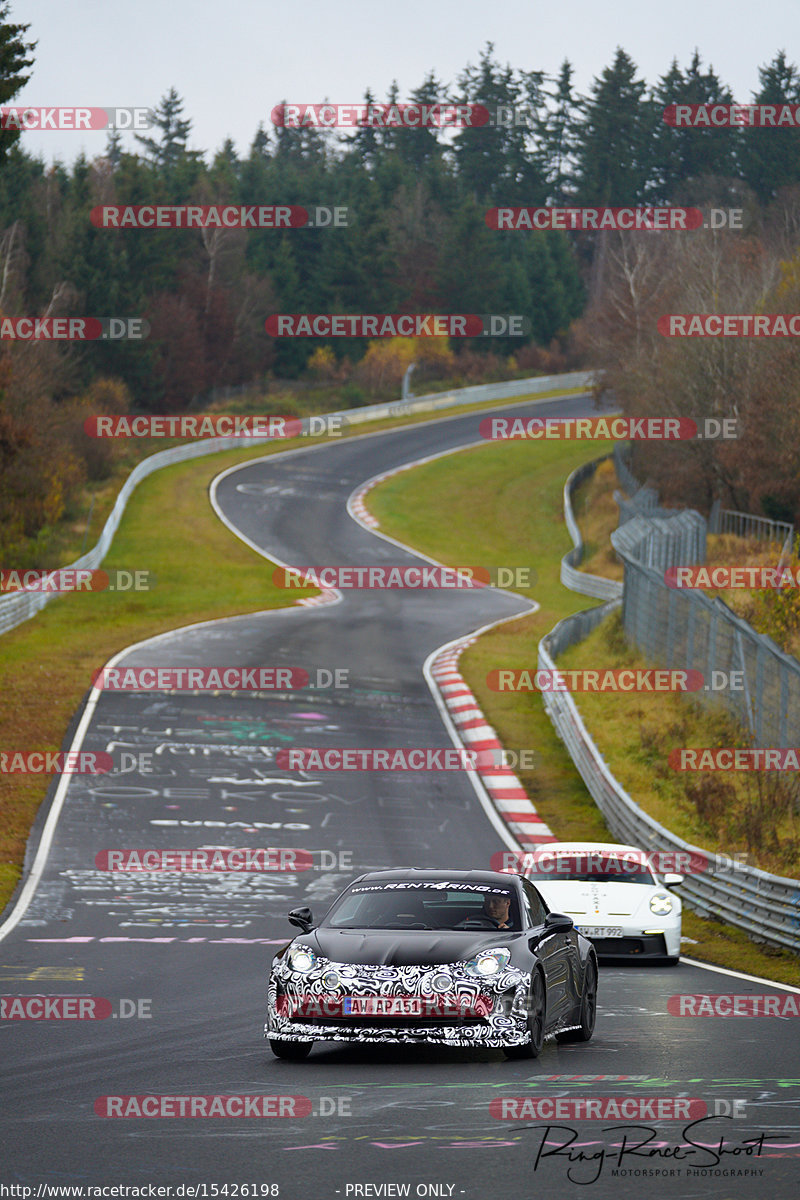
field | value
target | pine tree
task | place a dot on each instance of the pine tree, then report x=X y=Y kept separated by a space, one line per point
x=770 y=158
x=614 y=158
x=556 y=137
x=171 y=150
x=494 y=161
x=13 y=61
x=685 y=156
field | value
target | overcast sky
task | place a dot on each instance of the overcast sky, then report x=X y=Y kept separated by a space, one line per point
x=233 y=60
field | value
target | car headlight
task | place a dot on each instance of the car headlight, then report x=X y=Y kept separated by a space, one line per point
x=661 y=904
x=487 y=963
x=301 y=958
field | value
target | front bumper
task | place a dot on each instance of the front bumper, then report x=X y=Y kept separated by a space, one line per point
x=636 y=945
x=503 y=1020
x=449 y=1035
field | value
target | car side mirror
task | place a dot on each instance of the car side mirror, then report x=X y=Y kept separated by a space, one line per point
x=671 y=880
x=303 y=918
x=556 y=922
x=553 y=923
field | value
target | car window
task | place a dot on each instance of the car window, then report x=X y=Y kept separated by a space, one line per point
x=589 y=866
x=538 y=908
x=414 y=905
x=597 y=876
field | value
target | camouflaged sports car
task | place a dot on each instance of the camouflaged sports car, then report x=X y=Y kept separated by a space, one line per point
x=462 y=958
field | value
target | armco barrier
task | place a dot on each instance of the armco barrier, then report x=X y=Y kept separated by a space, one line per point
x=571 y=577
x=21 y=606
x=766 y=906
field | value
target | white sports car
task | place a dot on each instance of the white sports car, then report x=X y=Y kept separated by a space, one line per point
x=613 y=895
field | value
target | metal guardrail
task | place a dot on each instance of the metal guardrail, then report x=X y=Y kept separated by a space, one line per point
x=765 y=906
x=571 y=577
x=747 y=525
x=18 y=607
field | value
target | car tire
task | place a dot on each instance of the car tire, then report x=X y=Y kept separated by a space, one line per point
x=588 y=1009
x=294 y=1051
x=536 y=1019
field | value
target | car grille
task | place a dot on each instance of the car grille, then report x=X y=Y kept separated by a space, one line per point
x=423 y=1021
x=649 y=945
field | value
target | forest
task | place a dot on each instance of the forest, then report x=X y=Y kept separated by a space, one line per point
x=416 y=240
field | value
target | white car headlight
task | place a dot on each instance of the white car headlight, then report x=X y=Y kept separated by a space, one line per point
x=488 y=963
x=661 y=904
x=301 y=958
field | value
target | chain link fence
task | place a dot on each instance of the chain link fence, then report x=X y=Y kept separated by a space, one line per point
x=687 y=629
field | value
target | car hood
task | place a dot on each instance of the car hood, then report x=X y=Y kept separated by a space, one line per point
x=596 y=900
x=401 y=948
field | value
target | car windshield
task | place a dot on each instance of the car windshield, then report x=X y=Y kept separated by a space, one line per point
x=413 y=905
x=640 y=875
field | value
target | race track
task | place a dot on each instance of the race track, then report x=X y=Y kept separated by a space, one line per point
x=197 y=947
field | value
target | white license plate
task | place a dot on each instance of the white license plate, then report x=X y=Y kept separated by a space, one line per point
x=383 y=1006
x=600 y=931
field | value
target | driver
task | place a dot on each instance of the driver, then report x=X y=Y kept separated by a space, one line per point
x=498 y=908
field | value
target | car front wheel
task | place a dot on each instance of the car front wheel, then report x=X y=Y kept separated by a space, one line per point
x=536 y=1010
